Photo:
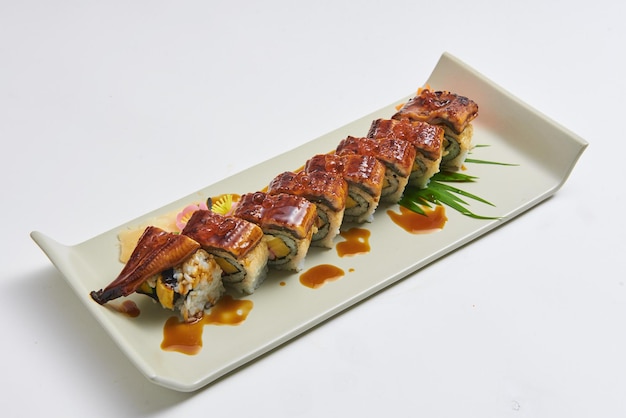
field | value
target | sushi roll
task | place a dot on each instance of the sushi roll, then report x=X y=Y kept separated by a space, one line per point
x=396 y=155
x=364 y=175
x=236 y=245
x=189 y=288
x=173 y=270
x=426 y=139
x=288 y=223
x=449 y=110
x=326 y=190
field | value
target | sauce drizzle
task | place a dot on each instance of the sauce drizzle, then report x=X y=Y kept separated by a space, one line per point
x=356 y=242
x=186 y=338
x=416 y=223
x=317 y=276
x=228 y=311
x=128 y=307
x=182 y=337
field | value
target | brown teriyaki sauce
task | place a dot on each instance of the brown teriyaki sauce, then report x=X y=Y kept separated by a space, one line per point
x=356 y=242
x=128 y=307
x=317 y=276
x=186 y=338
x=433 y=220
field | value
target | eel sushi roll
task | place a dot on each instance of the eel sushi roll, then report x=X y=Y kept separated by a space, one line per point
x=173 y=270
x=288 y=223
x=364 y=175
x=237 y=246
x=327 y=191
x=396 y=155
x=449 y=110
x=189 y=288
x=428 y=141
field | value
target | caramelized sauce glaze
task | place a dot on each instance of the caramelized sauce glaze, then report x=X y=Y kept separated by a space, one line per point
x=426 y=138
x=437 y=107
x=281 y=210
x=212 y=230
x=396 y=154
x=363 y=171
x=324 y=187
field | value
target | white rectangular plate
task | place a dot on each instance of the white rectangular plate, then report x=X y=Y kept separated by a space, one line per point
x=544 y=154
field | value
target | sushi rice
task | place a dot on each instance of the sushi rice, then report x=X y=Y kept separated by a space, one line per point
x=189 y=288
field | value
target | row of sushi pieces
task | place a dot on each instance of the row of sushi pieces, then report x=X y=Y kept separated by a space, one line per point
x=188 y=272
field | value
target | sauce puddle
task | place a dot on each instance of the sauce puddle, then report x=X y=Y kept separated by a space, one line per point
x=356 y=242
x=416 y=223
x=186 y=338
x=128 y=307
x=317 y=276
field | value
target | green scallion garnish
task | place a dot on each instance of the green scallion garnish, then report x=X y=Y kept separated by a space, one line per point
x=439 y=192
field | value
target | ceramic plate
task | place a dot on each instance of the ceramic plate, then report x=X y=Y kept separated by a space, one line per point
x=543 y=154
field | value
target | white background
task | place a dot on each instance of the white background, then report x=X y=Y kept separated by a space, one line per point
x=109 y=110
